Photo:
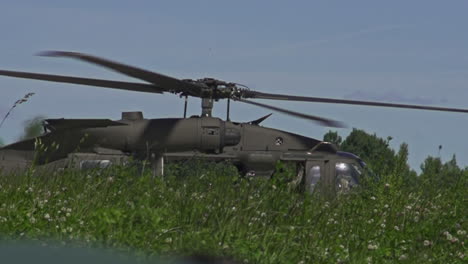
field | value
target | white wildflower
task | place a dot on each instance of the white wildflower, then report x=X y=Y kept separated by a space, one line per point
x=372 y=247
x=448 y=235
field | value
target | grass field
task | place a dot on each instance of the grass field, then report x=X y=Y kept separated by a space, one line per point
x=207 y=208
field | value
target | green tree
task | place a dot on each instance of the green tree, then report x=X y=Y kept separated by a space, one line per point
x=431 y=166
x=333 y=137
x=402 y=170
x=32 y=128
x=434 y=171
x=376 y=152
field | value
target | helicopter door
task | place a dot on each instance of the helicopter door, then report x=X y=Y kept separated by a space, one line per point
x=317 y=173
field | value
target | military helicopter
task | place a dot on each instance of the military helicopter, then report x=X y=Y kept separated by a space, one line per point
x=253 y=149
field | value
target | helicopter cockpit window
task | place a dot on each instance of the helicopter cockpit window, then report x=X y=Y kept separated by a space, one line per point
x=347 y=176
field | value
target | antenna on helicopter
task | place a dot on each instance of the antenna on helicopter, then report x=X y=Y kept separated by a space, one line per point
x=185 y=106
x=227 y=110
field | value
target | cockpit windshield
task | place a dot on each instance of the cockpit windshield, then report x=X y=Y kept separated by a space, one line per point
x=347 y=176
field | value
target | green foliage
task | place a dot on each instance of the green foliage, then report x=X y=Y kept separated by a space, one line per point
x=32 y=127
x=376 y=152
x=333 y=137
x=438 y=173
x=208 y=208
x=402 y=170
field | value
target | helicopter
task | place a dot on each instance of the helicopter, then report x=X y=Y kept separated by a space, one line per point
x=252 y=148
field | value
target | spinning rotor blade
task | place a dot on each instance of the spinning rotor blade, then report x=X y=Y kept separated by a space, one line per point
x=167 y=83
x=322 y=121
x=131 y=86
x=203 y=88
x=260 y=95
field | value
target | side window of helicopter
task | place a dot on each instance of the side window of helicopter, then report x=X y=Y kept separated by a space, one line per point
x=312 y=178
x=347 y=176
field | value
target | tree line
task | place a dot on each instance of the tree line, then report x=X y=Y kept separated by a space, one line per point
x=383 y=160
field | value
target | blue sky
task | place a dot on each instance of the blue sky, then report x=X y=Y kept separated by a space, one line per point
x=396 y=51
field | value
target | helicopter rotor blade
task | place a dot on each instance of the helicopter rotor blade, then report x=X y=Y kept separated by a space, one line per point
x=322 y=121
x=260 y=95
x=167 y=83
x=131 y=86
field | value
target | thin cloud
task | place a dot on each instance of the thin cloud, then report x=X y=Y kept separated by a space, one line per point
x=345 y=36
x=301 y=45
x=392 y=96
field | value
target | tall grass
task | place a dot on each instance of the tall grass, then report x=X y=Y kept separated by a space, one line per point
x=23 y=100
x=208 y=208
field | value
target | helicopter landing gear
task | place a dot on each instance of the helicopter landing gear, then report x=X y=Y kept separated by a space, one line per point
x=157 y=166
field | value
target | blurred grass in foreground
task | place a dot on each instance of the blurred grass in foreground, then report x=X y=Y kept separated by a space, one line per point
x=203 y=208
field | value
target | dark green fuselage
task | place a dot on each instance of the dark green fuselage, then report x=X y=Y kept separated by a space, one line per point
x=252 y=148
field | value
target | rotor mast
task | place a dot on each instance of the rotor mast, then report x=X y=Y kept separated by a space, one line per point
x=207 y=107
x=212 y=91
